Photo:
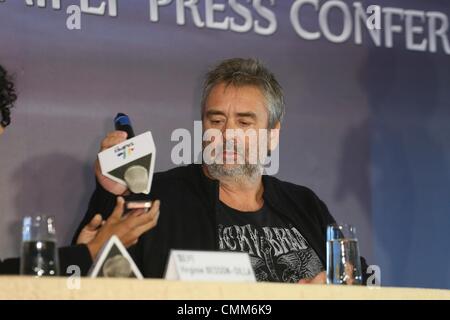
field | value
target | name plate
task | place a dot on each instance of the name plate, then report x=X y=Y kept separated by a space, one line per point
x=209 y=266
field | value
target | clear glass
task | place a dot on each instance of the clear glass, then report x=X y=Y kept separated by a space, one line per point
x=343 y=262
x=39 y=255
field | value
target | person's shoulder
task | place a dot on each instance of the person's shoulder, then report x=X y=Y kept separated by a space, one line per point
x=291 y=188
x=301 y=195
x=181 y=181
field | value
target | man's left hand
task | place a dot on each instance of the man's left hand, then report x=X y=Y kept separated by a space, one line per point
x=320 y=278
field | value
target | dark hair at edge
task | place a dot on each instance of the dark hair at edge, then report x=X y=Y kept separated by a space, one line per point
x=7 y=97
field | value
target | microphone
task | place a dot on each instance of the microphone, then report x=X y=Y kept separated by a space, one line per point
x=122 y=123
x=135 y=176
x=131 y=162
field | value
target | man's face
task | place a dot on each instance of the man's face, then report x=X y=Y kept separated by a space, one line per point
x=231 y=107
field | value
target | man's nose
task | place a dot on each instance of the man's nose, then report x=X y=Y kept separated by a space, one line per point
x=229 y=129
x=229 y=132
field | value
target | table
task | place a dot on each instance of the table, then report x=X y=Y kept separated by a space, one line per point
x=16 y=287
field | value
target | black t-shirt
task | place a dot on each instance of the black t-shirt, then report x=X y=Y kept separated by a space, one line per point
x=278 y=251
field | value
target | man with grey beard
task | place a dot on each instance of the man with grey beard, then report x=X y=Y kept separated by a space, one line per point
x=227 y=203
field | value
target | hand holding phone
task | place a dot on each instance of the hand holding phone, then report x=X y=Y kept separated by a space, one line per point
x=138 y=204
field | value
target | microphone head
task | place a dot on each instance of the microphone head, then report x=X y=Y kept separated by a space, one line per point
x=123 y=123
x=117 y=267
x=136 y=178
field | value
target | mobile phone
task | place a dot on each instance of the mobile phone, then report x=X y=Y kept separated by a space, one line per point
x=138 y=204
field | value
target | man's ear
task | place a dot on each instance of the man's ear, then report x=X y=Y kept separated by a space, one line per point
x=274 y=136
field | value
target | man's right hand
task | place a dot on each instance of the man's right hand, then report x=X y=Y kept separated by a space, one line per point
x=113 y=138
